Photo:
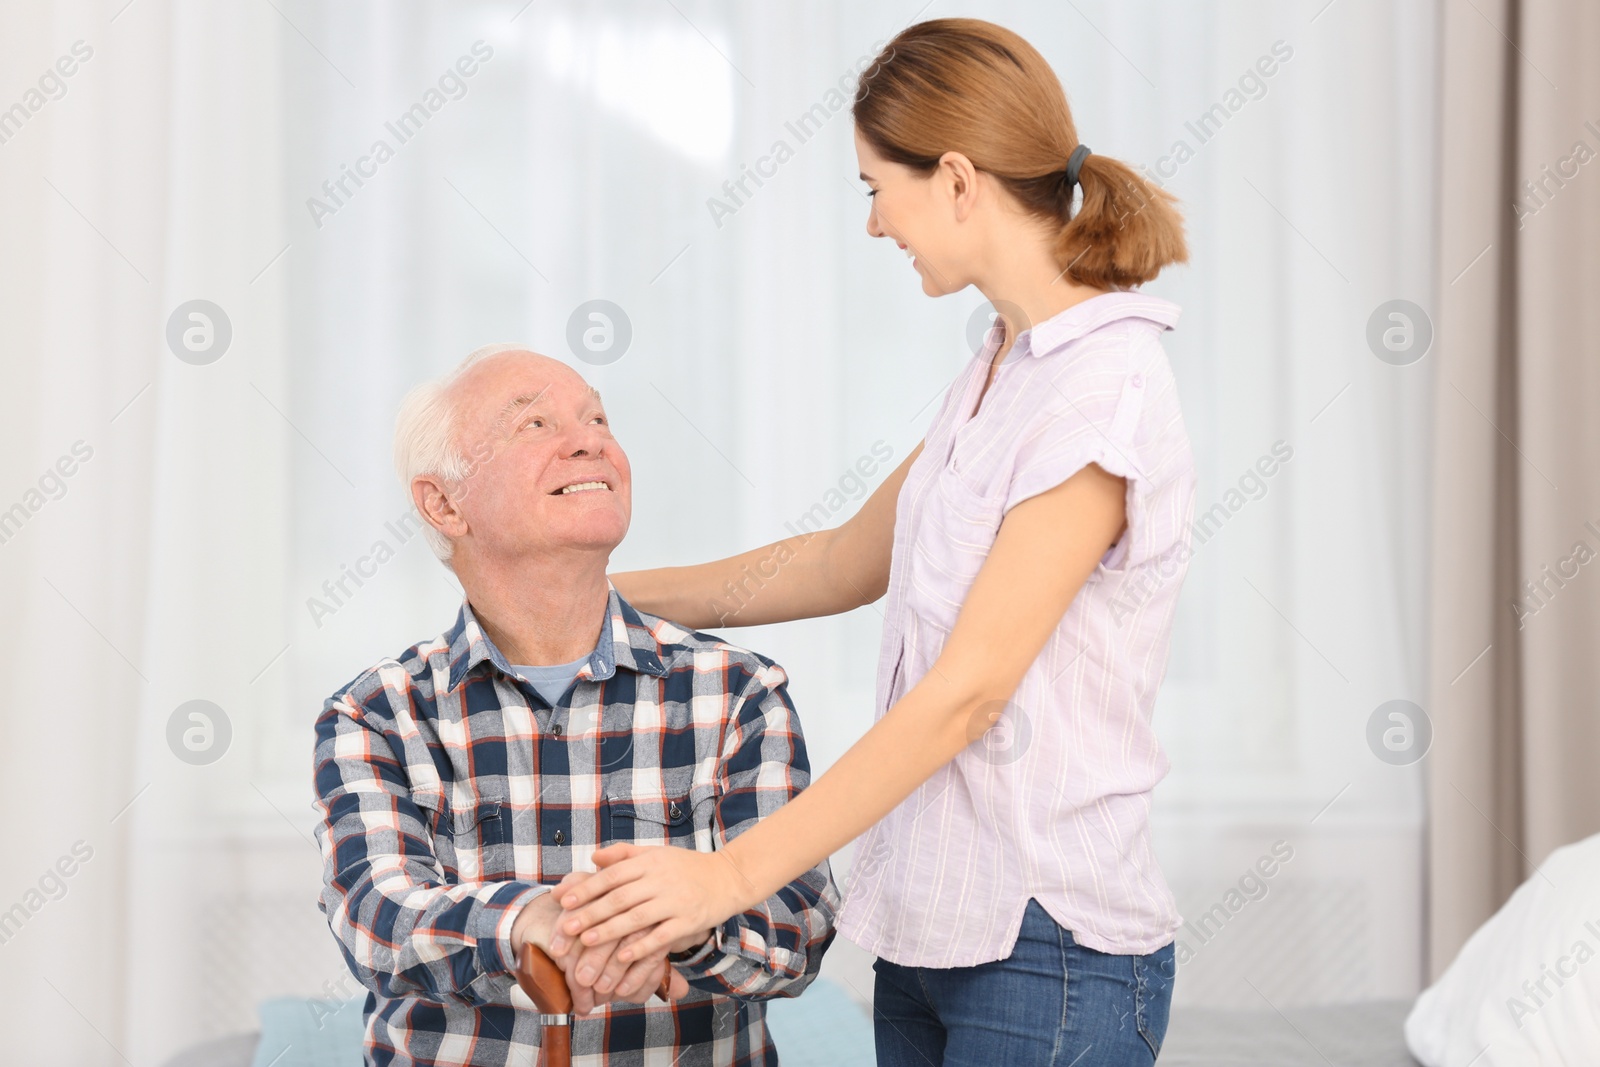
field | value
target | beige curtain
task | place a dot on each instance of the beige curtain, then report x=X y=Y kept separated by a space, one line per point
x=1515 y=669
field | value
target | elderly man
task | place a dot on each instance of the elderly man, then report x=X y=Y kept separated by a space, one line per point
x=463 y=780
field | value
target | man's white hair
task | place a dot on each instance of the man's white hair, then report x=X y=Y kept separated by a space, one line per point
x=425 y=437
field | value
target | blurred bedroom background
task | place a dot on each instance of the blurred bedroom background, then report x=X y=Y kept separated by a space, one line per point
x=216 y=289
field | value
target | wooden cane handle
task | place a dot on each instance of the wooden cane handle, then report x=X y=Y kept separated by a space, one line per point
x=543 y=981
x=546 y=983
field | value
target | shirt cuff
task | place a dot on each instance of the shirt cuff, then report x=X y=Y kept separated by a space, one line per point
x=712 y=943
x=498 y=914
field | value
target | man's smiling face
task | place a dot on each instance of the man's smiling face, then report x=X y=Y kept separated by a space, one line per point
x=546 y=474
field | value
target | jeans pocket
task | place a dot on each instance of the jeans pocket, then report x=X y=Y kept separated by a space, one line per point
x=1155 y=974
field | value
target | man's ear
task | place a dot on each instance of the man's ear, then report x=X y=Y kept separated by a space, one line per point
x=434 y=504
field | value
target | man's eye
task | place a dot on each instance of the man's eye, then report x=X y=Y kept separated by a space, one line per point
x=871 y=193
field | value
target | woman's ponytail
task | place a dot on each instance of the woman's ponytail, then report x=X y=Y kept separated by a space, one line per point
x=1126 y=229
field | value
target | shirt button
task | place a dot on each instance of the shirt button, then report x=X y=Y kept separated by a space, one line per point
x=1137 y=381
x=560 y=837
x=556 y=730
x=673 y=811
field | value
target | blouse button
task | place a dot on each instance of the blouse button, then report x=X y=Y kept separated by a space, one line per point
x=1137 y=381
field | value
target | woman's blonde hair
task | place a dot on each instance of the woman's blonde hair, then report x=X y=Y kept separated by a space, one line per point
x=969 y=86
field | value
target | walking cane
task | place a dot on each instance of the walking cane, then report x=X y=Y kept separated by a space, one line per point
x=546 y=986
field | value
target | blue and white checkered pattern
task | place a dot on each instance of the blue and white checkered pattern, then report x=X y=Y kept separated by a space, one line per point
x=452 y=794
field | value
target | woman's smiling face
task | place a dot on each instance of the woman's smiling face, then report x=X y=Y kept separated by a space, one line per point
x=919 y=213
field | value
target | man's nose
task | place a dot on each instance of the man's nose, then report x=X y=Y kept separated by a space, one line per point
x=585 y=441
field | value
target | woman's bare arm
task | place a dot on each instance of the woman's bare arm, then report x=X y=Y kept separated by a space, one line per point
x=822 y=573
x=1046 y=548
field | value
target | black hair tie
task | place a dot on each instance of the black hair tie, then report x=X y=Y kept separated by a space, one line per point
x=1075 y=164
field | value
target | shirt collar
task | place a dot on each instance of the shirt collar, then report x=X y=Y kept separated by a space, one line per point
x=1085 y=317
x=624 y=641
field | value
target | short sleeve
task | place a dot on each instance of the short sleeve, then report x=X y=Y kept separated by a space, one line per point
x=1069 y=433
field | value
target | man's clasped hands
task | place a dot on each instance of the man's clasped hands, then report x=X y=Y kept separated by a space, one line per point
x=594 y=974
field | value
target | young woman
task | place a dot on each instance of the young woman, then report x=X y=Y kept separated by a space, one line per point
x=1032 y=548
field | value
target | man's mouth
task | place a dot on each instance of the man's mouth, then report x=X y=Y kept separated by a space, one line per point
x=580 y=487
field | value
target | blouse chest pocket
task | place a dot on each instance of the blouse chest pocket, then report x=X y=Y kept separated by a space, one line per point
x=670 y=809
x=472 y=841
x=954 y=534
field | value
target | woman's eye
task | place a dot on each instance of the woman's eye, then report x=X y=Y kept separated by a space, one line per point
x=871 y=193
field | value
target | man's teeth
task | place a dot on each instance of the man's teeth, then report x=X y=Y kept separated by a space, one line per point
x=579 y=487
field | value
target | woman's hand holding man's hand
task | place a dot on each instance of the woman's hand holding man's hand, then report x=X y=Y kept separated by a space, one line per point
x=595 y=973
x=649 y=899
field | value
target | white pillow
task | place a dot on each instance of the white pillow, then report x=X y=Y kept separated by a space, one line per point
x=1525 y=988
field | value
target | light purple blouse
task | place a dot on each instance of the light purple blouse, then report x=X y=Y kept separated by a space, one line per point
x=1054 y=801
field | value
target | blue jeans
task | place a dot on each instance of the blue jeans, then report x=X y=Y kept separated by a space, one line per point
x=1052 y=1001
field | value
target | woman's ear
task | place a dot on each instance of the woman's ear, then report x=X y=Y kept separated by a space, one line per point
x=960 y=178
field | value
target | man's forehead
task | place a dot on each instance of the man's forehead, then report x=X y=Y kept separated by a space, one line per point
x=526 y=397
x=532 y=385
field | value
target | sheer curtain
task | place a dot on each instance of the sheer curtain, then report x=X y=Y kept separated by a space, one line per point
x=143 y=555
x=239 y=537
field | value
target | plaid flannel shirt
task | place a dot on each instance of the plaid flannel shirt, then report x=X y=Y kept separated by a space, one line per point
x=451 y=794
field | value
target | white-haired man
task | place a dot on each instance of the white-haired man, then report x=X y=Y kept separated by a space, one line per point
x=463 y=780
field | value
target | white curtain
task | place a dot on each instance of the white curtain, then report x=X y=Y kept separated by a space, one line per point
x=238 y=536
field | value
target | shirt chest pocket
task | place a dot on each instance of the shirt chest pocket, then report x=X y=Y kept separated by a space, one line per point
x=473 y=840
x=671 y=807
x=954 y=533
